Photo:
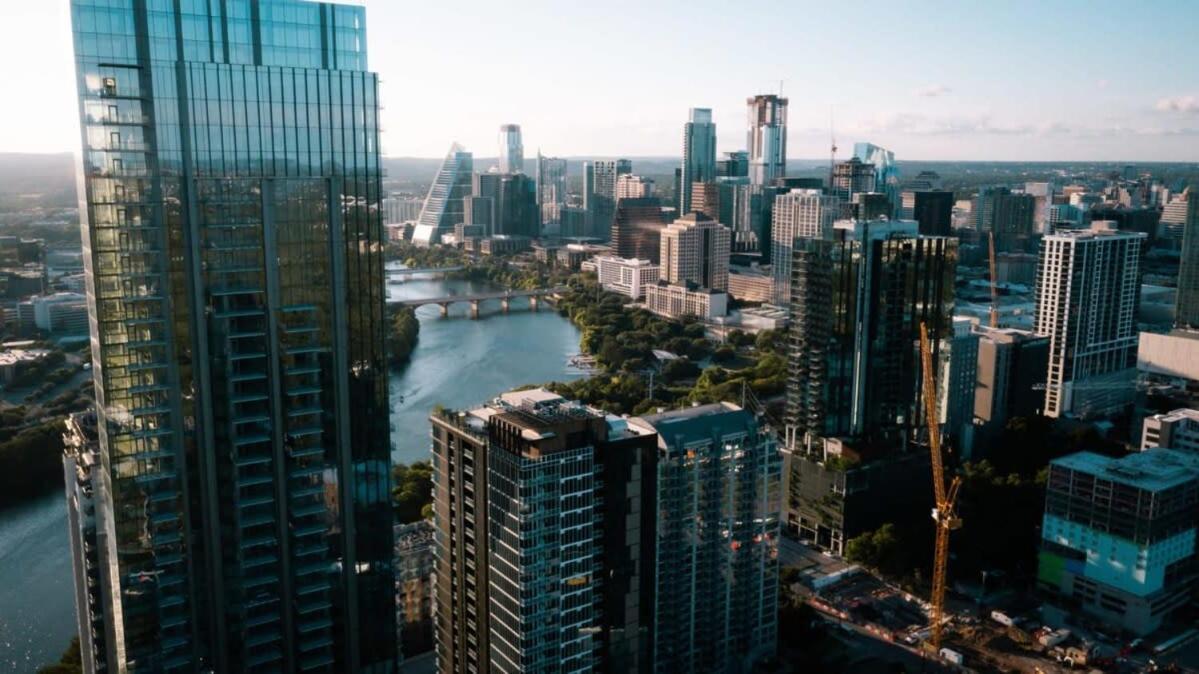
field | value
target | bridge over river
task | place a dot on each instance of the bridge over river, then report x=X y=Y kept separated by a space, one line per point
x=505 y=298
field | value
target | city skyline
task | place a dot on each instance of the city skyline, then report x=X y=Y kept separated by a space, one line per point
x=946 y=97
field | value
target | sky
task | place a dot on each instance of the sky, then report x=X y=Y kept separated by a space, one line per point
x=936 y=79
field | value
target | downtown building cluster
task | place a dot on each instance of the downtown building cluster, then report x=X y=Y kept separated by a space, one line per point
x=229 y=500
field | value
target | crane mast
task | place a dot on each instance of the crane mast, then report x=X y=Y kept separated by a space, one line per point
x=945 y=518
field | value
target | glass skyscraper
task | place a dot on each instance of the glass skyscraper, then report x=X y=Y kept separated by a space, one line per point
x=230 y=189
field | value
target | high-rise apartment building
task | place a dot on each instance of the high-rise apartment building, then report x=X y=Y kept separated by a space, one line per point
x=715 y=539
x=1118 y=537
x=857 y=302
x=699 y=155
x=1011 y=364
x=544 y=511
x=512 y=149
x=1187 y=309
x=766 y=138
x=854 y=402
x=571 y=540
x=798 y=214
x=1088 y=290
x=234 y=275
x=695 y=249
x=445 y=202
x=551 y=188
x=637 y=229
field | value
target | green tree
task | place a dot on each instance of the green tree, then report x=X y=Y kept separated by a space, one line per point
x=71 y=661
x=413 y=491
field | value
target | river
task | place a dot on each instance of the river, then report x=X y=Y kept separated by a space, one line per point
x=457 y=362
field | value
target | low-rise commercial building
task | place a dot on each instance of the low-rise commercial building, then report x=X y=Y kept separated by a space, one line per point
x=625 y=276
x=674 y=301
x=1176 y=430
x=750 y=285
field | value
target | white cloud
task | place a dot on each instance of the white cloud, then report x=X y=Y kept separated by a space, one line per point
x=1102 y=84
x=1184 y=104
x=933 y=90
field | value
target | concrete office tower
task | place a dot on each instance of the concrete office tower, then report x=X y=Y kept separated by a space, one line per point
x=715 y=539
x=798 y=214
x=699 y=155
x=236 y=290
x=599 y=193
x=705 y=198
x=1177 y=430
x=1176 y=214
x=854 y=403
x=695 y=250
x=1088 y=292
x=1011 y=363
x=934 y=211
x=531 y=470
x=629 y=186
x=766 y=138
x=853 y=177
x=1010 y=216
x=886 y=171
x=637 y=230
x=734 y=165
x=444 y=204
x=551 y=188
x=1118 y=538
x=1187 y=312
x=512 y=149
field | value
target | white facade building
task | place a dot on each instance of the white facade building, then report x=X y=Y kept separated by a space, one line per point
x=674 y=301
x=1176 y=430
x=1088 y=290
x=798 y=214
x=625 y=276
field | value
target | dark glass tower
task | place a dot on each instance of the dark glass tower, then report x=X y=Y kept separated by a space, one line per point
x=232 y=241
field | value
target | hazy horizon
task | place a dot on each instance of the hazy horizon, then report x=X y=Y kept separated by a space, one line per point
x=932 y=81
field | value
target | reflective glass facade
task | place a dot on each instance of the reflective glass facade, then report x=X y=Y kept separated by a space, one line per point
x=233 y=247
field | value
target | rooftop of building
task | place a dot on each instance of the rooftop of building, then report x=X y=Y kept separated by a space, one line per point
x=1007 y=335
x=538 y=413
x=691 y=424
x=626 y=261
x=1099 y=228
x=1184 y=414
x=1153 y=469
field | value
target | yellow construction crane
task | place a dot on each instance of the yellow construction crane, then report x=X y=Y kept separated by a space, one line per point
x=994 y=288
x=945 y=518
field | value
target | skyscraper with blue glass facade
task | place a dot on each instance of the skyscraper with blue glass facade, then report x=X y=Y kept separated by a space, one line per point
x=230 y=193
